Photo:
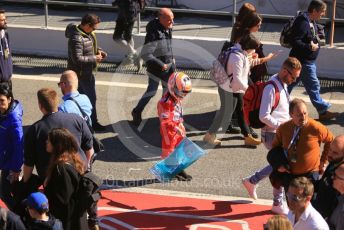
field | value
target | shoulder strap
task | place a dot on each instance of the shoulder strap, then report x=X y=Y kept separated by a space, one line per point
x=277 y=94
x=83 y=113
x=230 y=50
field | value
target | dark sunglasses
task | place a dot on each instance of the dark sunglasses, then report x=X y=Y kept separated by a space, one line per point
x=291 y=74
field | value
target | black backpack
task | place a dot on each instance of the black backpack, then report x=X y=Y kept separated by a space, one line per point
x=88 y=191
x=286 y=33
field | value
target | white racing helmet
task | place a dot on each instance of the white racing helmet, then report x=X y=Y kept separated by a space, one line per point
x=179 y=85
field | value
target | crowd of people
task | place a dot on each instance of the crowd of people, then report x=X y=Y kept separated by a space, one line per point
x=60 y=145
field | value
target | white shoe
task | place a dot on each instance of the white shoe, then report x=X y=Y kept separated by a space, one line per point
x=251 y=188
x=281 y=209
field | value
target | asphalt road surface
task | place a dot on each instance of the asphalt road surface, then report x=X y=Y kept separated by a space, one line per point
x=131 y=151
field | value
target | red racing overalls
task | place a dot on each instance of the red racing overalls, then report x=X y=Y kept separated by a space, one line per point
x=172 y=130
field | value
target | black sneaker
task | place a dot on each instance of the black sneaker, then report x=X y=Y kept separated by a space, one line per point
x=233 y=130
x=98 y=127
x=182 y=176
x=253 y=133
x=137 y=119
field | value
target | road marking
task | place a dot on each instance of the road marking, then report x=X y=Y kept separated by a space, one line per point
x=244 y=224
x=144 y=86
x=203 y=196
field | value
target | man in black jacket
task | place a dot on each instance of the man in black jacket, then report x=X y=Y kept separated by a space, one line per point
x=305 y=47
x=83 y=57
x=325 y=196
x=128 y=11
x=6 y=65
x=158 y=55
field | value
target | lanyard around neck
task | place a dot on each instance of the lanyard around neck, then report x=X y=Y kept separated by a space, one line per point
x=295 y=137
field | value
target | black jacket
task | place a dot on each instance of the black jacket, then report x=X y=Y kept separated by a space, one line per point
x=62 y=193
x=51 y=224
x=157 y=50
x=301 y=40
x=325 y=196
x=10 y=221
x=128 y=10
x=6 y=65
x=82 y=50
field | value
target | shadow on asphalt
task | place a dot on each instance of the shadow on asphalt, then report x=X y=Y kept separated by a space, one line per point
x=129 y=183
x=337 y=121
x=143 y=143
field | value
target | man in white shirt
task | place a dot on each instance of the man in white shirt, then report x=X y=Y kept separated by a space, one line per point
x=302 y=215
x=272 y=118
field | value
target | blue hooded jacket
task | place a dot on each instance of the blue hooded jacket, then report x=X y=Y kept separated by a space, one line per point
x=11 y=138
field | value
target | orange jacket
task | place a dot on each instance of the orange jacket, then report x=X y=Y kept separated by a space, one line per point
x=309 y=157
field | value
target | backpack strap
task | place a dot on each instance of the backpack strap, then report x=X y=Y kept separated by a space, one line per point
x=277 y=94
x=232 y=50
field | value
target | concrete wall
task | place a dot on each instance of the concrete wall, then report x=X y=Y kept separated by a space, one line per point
x=189 y=51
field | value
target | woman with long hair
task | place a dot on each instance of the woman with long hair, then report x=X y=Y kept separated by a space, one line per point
x=11 y=143
x=63 y=176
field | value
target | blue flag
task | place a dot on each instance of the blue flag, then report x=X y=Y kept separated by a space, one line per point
x=182 y=157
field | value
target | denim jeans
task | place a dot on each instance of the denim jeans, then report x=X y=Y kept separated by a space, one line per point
x=152 y=88
x=310 y=80
x=88 y=86
x=267 y=138
x=5 y=190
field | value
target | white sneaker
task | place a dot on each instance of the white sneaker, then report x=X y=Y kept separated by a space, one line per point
x=251 y=188
x=281 y=209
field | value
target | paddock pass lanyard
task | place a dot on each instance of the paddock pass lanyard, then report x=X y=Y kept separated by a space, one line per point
x=4 y=52
x=294 y=141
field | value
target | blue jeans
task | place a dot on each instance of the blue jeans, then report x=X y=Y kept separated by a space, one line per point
x=267 y=138
x=152 y=88
x=5 y=190
x=309 y=79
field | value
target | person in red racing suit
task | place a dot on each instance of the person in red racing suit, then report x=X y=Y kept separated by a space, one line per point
x=170 y=114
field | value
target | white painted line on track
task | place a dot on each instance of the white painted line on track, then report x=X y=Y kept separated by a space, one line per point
x=243 y=223
x=144 y=86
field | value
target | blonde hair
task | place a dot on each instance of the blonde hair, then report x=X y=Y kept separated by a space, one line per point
x=278 y=222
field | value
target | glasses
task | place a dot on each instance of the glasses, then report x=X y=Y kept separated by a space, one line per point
x=93 y=26
x=335 y=176
x=293 y=197
x=291 y=74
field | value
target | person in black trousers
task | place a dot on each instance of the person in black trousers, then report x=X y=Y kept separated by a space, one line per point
x=158 y=55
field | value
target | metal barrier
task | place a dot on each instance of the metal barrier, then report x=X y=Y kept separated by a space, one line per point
x=46 y=3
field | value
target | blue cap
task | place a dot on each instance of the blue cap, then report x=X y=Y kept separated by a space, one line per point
x=37 y=201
